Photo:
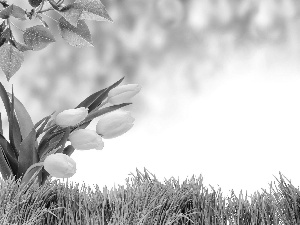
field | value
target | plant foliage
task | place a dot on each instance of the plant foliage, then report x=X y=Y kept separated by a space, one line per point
x=71 y=24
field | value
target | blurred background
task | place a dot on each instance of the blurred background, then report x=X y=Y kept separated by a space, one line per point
x=220 y=90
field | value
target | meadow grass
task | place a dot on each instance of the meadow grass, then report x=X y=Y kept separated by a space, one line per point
x=147 y=201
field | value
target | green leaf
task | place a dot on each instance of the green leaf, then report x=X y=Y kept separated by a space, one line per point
x=24 y=119
x=42 y=120
x=98 y=96
x=45 y=175
x=5 y=99
x=4 y=167
x=99 y=112
x=14 y=11
x=104 y=95
x=71 y=13
x=50 y=142
x=6 y=12
x=20 y=46
x=6 y=34
x=11 y=59
x=28 y=154
x=14 y=129
x=1 y=129
x=64 y=139
x=89 y=100
x=38 y=37
x=78 y=36
x=61 y=139
x=47 y=136
x=30 y=175
x=92 y=10
x=41 y=129
x=2 y=26
x=12 y=159
x=18 y=12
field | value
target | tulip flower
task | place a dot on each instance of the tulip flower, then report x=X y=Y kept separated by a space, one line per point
x=84 y=139
x=71 y=117
x=60 y=165
x=114 y=124
x=123 y=93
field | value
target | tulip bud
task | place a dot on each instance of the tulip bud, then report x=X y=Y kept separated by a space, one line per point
x=60 y=165
x=114 y=124
x=123 y=93
x=84 y=139
x=71 y=117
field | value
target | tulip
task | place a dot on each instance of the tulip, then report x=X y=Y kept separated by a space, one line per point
x=123 y=93
x=84 y=139
x=114 y=124
x=71 y=117
x=60 y=165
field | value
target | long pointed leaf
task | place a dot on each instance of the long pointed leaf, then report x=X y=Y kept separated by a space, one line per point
x=48 y=133
x=48 y=144
x=104 y=95
x=24 y=119
x=1 y=129
x=47 y=136
x=89 y=100
x=5 y=99
x=10 y=155
x=28 y=154
x=96 y=99
x=30 y=174
x=41 y=129
x=14 y=129
x=51 y=134
x=42 y=120
x=64 y=139
x=60 y=141
x=45 y=175
x=4 y=167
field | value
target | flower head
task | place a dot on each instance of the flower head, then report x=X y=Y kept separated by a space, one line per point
x=123 y=93
x=71 y=117
x=60 y=165
x=84 y=139
x=114 y=124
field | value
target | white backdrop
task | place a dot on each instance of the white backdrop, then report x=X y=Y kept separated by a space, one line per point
x=242 y=128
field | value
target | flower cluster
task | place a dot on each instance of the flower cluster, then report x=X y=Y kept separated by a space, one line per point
x=25 y=158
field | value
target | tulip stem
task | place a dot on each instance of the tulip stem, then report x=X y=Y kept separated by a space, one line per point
x=25 y=180
x=48 y=128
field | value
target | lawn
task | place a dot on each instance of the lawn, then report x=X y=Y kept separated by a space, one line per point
x=145 y=200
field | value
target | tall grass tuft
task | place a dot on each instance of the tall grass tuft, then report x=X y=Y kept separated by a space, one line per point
x=145 y=201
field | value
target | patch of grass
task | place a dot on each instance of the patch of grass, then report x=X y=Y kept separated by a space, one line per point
x=147 y=201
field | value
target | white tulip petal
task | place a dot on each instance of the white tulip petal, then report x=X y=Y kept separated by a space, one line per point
x=84 y=139
x=118 y=131
x=71 y=117
x=60 y=165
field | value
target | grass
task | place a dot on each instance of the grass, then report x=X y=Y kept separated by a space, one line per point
x=147 y=201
